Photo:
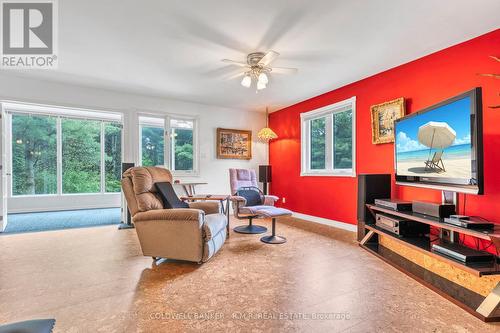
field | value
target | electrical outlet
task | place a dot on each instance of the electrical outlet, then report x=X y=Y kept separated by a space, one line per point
x=283 y=200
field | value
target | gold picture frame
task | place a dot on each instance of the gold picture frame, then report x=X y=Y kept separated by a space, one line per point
x=234 y=144
x=383 y=116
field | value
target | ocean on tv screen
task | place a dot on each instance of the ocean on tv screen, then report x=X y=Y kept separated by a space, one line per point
x=436 y=143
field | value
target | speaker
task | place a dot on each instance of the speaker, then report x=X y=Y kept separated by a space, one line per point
x=128 y=219
x=370 y=187
x=265 y=173
x=265 y=176
x=126 y=166
x=433 y=209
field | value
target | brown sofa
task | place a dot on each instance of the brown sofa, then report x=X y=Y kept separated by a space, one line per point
x=193 y=234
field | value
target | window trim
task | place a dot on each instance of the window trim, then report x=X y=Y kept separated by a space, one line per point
x=305 y=141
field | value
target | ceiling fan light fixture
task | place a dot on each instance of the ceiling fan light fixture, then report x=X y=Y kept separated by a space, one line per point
x=246 y=81
x=261 y=85
x=263 y=78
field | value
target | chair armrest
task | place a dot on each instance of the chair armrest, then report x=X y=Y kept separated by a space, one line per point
x=236 y=199
x=269 y=200
x=177 y=214
x=209 y=207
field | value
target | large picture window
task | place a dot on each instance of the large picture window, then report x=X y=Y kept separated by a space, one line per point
x=54 y=154
x=327 y=143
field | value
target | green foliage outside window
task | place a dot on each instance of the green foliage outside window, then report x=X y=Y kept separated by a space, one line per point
x=342 y=139
x=153 y=146
x=318 y=143
x=183 y=145
x=81 y=156
x=113 y=156
x=34 y=155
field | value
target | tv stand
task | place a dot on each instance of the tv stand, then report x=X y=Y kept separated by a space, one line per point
x=475 y=287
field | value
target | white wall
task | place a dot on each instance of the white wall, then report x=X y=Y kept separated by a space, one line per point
x=212 y=170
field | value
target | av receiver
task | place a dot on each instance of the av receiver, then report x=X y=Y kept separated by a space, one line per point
x=401 y=226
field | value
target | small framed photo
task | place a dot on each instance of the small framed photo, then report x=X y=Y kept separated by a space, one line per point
x=383 y=116
x=234 y=144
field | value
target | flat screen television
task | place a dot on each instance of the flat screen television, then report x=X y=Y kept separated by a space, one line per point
x=441 y=147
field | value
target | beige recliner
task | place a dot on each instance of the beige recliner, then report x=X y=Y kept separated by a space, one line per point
x=193 y=234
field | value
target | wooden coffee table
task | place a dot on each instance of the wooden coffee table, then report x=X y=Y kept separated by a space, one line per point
x=222 y=198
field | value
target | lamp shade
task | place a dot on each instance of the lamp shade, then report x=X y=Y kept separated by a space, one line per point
x=266 y=134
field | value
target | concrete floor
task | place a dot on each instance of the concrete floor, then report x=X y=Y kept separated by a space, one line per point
x=96 y=280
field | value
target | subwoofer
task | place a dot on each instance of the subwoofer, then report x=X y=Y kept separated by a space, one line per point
x=370 y=187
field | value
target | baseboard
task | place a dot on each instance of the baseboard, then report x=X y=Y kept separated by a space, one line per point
x=331 y=223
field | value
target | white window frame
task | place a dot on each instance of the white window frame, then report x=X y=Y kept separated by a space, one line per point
x=305 y=139
x=164 y=122
x=60 y=113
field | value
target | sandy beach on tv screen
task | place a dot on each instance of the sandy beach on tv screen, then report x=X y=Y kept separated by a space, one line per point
x=455 y=168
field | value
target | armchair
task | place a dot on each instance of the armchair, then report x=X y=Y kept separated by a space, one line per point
x=249 y=203
x=193 y=234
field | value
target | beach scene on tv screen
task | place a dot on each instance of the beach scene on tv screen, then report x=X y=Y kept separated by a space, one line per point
x=436 y=143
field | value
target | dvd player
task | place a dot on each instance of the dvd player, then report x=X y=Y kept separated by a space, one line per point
x=462 y=253
x=470 y=223
x=394 y=204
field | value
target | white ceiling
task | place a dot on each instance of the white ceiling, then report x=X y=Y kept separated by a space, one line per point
x=173 y=49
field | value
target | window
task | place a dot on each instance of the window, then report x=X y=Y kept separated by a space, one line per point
x=179 y=146
x=34 y=155
x=153 y=146
x=81 y=156
x=328 y=136
x=113 y=156
x=53 y=154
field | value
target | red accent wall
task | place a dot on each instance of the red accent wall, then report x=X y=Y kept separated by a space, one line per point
x=422 y=82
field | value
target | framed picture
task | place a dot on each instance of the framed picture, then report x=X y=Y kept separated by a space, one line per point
x=233 y=143
x=383 y=116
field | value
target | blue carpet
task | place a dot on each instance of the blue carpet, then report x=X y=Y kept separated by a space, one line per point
x=27 y=222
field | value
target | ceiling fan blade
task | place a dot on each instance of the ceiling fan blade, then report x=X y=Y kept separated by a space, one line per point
x=268 y=58
x=284 y=70
x=233 y=62
x=233 y=76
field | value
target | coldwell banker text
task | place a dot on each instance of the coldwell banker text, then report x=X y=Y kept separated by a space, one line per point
x=29 y=31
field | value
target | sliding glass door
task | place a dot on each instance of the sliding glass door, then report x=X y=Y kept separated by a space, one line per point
x=3 y=168
x=54 y=155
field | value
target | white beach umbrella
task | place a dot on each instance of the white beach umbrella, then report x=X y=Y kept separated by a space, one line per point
x=437 y=135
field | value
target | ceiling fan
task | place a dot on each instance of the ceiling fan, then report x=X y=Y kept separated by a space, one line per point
x=257 y=68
